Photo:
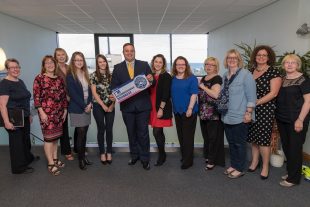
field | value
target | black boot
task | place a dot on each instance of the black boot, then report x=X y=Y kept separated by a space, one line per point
x=87 y=162
x=82 y=164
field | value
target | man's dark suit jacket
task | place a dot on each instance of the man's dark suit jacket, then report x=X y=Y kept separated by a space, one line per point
x=120 y=75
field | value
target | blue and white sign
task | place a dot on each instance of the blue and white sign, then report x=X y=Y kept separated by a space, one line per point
x=138 y=84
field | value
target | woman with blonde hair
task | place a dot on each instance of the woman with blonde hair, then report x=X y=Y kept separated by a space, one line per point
x=62 y=69
x=80 y=104
x=240 y=90
x=292 y=114
x=212 y=128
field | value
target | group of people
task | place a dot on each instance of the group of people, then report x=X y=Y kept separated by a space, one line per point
x=242 y=103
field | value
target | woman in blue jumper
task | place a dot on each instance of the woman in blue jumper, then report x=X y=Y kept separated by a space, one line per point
x=184 y=90
x=242 y=98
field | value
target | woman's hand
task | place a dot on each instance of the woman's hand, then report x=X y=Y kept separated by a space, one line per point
x=64 y=116
x=160 y=113
x=43 y=117
x=88 y=108
x=298 y=126
x=189 y=112
x=150 y=78
x=105 y=108
x=111 y=97
x=247 y=118
x=9 y=126
x=111 y=108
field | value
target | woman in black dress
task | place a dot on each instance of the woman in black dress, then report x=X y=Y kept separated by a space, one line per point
x=13 y=95
x=292 y=113
x=268 y=83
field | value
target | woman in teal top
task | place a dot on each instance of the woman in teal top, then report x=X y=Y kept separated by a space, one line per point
x=184 y=90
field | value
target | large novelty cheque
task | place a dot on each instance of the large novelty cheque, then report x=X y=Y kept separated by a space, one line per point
x=138 y=84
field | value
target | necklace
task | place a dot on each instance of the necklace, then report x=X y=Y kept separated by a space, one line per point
x=261 y=69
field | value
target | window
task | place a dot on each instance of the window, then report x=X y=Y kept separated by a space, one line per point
x=79 y=42
x=193 y=48
x=149 y=45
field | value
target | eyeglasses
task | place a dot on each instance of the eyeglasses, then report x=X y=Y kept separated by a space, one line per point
x=261 y=55
x=232 y=58
x=49 y=63
x=207 y=64
x=290 y=63
x=15 y=68
x=180 y=64
x=78 y=60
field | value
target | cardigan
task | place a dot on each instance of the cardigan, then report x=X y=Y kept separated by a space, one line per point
x=163 y=93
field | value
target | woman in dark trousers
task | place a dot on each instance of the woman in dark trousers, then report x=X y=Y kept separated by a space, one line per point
x=161 y=114
x=292 y=114
x=13 y=95
x=212 y=128
x=184 y=90
x=103 y=107
x=80 y=104
x=62 y=70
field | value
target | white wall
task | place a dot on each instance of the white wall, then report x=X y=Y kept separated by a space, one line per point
x=273 y=25
x=28 y=43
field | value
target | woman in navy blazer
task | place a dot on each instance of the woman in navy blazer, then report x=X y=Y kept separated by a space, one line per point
x=80 y=103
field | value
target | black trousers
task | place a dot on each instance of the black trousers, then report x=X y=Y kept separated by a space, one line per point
x=213 y=135
x=186 y=127
x=104 y=121
x=81 y=133
x=20 y=147
x=65 y=146
x=292 y=143
x=158 y=133
x=138 y=134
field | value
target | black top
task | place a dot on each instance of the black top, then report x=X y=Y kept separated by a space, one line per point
x=163 y=93
x=290 y=99
x=207 y=109
x=19 y=96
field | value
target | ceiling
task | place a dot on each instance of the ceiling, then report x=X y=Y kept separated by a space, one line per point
x=131 y=16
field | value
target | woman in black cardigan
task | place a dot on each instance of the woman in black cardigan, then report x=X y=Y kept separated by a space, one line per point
x=161 y=114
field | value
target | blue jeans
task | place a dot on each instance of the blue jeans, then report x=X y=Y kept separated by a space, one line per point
x=236 y=136
x=104 y=122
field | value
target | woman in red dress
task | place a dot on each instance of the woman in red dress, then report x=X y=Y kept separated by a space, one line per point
x=51 y=102
x=161 y=114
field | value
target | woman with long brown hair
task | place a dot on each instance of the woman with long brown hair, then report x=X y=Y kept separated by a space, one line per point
x=103 y=107
x=80 y=103
x=161 y=114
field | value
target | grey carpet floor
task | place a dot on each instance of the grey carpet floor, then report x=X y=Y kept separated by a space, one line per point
x=123 y=185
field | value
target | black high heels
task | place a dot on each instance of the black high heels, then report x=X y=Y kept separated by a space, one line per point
x=82 y=164
x=253 y=170
x=87 y=162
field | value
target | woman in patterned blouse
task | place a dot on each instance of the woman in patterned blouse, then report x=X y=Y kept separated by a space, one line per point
x=51 y=102
x=103 y=107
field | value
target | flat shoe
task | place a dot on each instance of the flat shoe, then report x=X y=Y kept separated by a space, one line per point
x=209 y=167
x=284 y=177
x=226 y=172
x=284 y=183
x=236 y=176
x=69 y=157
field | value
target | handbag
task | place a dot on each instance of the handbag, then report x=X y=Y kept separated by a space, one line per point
x=223 y=99
x=16 y=117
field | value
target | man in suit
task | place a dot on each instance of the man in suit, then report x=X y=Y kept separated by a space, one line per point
x=136 y=109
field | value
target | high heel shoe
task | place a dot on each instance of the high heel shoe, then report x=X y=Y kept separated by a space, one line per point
x=109 y=161
x=253 y=170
